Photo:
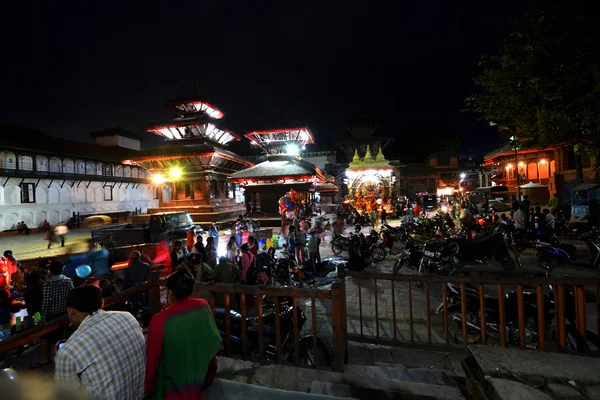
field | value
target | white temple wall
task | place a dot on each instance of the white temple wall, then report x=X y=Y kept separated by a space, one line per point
x=57 y=204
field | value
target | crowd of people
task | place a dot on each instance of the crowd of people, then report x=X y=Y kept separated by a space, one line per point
x=90 y=355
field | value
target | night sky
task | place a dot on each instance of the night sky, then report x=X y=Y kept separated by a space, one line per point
x=77 y=67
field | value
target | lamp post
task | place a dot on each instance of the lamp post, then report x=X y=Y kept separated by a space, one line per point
x=513 y=142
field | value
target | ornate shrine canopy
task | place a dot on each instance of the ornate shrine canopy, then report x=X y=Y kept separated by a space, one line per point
x=201 y=156
x=183 y=128
x=280 y=169
x=377 y=164
x=370 y=180
x=278 y=139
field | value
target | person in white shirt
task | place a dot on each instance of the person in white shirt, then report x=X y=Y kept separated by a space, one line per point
x=520 y=218
x=549 y=219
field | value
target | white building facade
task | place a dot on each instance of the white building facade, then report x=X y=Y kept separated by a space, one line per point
x=47 y=178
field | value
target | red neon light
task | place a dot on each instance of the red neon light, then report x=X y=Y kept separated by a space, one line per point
x=512 y=153
x=120 y=265
x=196 y=155
x=278 y=178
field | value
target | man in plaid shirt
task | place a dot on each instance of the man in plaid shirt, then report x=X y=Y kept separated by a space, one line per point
x=54 y=305
x=55 y=291
x=106 y=356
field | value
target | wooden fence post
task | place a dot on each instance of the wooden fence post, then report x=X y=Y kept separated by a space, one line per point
x=338 y=317
x=154 y=293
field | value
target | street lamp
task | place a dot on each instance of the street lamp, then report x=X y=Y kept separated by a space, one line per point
x=513 y=142
x=463 y=175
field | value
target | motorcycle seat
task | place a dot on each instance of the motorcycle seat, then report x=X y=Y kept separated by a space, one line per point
x=234 y=316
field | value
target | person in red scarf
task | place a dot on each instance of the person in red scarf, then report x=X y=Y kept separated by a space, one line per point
x=183 y=341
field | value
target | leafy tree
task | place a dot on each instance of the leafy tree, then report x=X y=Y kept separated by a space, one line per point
x=543 y=83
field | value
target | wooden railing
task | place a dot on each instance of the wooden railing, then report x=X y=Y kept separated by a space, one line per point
x=569 y=318
x=36 y=332
x=155 y=285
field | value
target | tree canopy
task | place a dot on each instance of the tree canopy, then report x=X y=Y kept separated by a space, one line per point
x=543 y=83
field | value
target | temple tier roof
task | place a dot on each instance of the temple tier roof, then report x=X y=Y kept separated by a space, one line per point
x=280 y=138
x=194 y=105
x=198 y=156
x=280 y=167
x=194 y=127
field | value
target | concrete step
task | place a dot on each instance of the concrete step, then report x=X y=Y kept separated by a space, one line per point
x=385 y=389
x=336 y=390
x=229 y=390
x=419 y=375
x=301 y=380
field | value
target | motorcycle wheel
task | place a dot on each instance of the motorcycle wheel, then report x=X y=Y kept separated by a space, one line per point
x=378 y=253
x=308 y=357
x=399 y=264
x=336 y=249
x=455 y=326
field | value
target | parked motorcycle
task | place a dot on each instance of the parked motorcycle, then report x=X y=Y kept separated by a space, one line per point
x=307 y=356
x=446 y=256
x=339 y=243
x=410 y=256
x=555 y=255
x=453 y=319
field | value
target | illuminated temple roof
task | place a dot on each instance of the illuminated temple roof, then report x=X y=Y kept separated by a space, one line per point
x=192 y=155
x=275 y=140
x=280 y=167
x=196 y=119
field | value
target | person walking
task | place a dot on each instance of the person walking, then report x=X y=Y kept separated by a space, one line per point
x=300 y=241
x=383 y=215
x=246 y=259
x=291 y=241
x=232 y=249
x=313 y=249
x=190 y=239
x=213 y=231
x=106 y=354
x=239 y=228
x=555 y=204
x=183 y=342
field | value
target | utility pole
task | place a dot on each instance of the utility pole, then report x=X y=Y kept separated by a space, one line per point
x=513 y=141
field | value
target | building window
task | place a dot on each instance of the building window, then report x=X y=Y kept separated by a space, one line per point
x=27 y=193
x=108 y=195
x=107 y=170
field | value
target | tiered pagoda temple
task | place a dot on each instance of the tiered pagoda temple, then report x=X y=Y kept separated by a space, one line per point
x=191 y=170
x=283 y=170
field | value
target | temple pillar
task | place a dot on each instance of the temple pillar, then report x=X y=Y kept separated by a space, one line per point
x=487 y=182
x=480 y=179
x=174 y=191
x=201 y=189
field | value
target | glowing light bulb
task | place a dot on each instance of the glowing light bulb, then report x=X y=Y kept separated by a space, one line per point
x=175 y=172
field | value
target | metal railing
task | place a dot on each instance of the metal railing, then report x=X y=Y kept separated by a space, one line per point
x=568 y=321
